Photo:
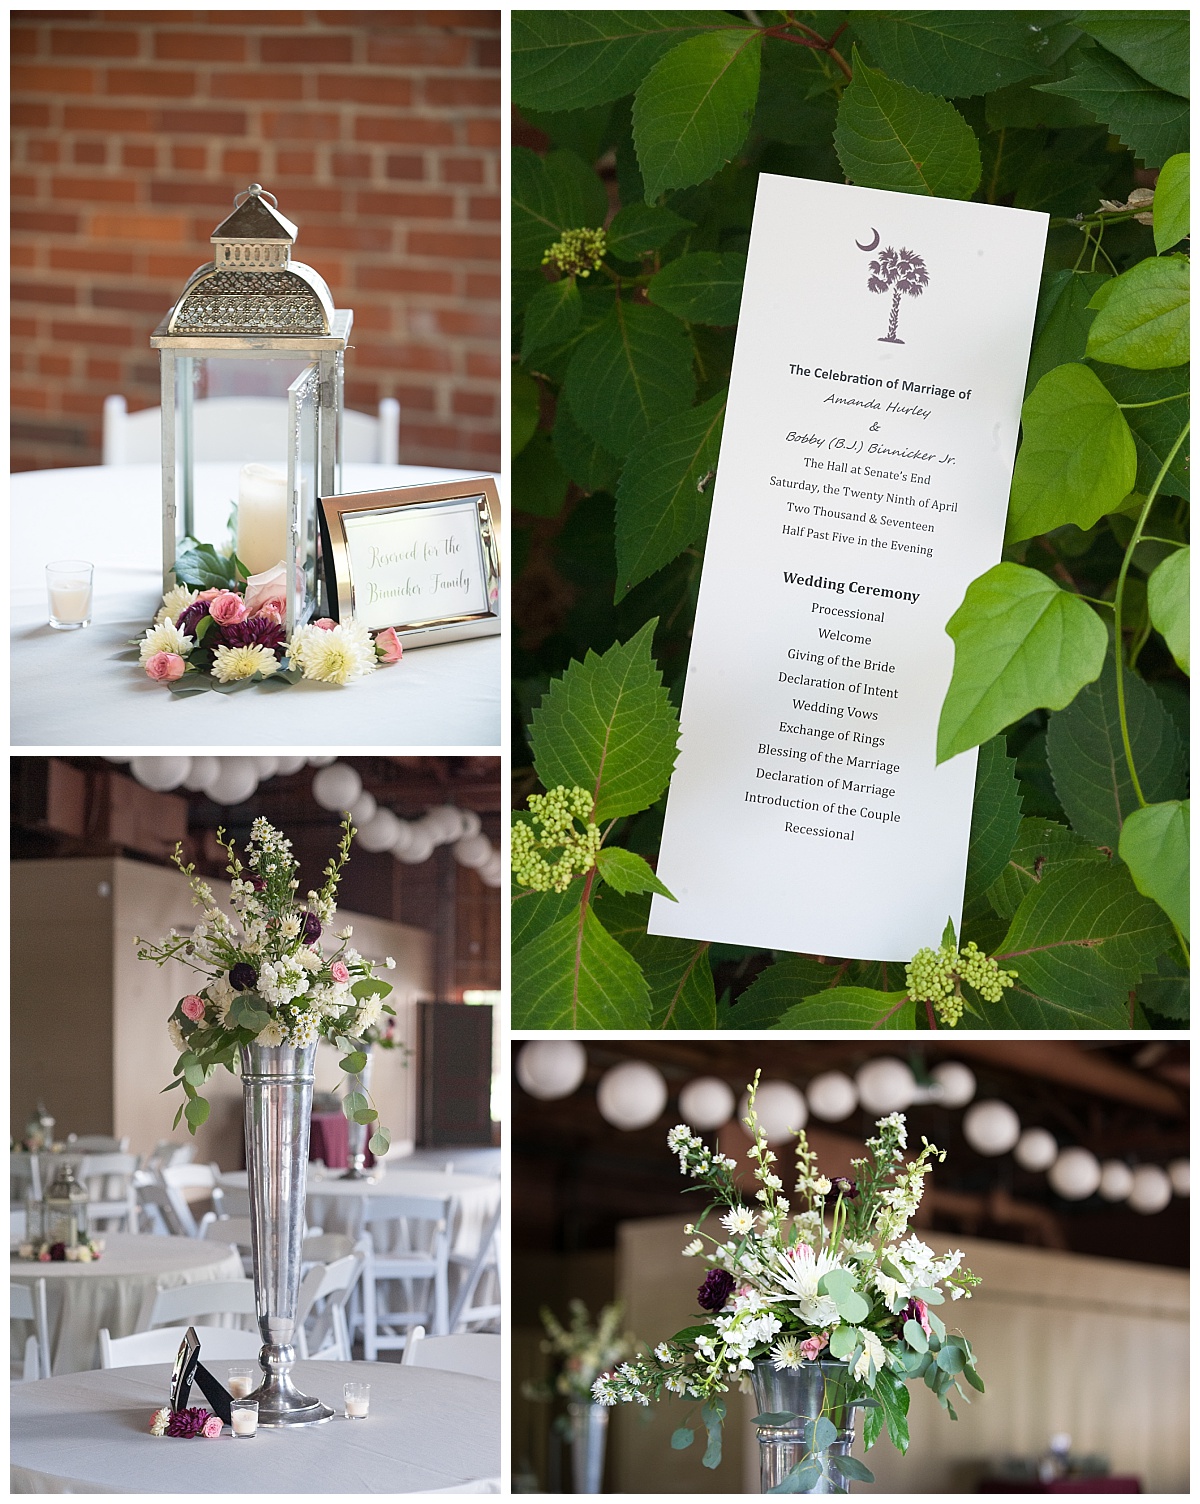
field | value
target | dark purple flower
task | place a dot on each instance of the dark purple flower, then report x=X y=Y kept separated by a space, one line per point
x=716 y=1289
x=846 y=1189
x=312 y=928
x=58 y=1253
x=243 y=977
x=187 y=1422
x=259 y=630
x=259 y=884
x=188 y=618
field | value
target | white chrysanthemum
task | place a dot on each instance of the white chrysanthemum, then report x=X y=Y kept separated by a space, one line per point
x=822 y=1185
x=693 y=1248
x=739 y=1221
x=176 y=1033
x=336 y=655
x=786 y=1354
x=239 y=663
x=174 y=603
x=165 y=637
x=872 y=1357
x=797 y=1272
x=270 y=1034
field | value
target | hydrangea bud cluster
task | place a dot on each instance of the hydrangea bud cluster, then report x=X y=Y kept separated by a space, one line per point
x=935 y=976
x=577 y=253
x=553 y=829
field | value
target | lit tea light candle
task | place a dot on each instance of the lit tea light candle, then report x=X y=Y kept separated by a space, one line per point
x=262 y=517
x=241 y=1381
x=243 y=1416
x=69 y=586
x=358 y=1400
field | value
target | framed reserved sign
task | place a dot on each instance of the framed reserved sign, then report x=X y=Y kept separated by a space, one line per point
x=422 y=559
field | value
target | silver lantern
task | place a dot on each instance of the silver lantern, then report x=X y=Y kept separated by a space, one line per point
x=252 y=302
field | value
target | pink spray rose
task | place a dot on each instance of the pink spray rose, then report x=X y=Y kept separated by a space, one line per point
x=811 y=1346
x=212 y=1426
x=338 y=972
x=387 y=646
x=267 y=589
x=193 y=1007
x=325 y=623
x=209 y=594
x=226 y=608
x=165 y=666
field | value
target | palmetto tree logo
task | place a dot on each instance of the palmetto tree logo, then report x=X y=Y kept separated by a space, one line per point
x=903 y=274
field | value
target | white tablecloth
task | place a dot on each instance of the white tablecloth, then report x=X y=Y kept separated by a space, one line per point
x=428 y=1432
x=77 y=688
x=81 y=1298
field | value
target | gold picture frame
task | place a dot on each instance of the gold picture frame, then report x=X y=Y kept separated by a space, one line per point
x=422 y=559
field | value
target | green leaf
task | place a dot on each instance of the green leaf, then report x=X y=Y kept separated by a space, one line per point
x=951 y=1360
x=703 y=288
x=353 y=1103
x=1156 y=428
x=1087 y=756
x=851 y=1467
x=630 y=373
x=194 y=1074
x=585 y=132
x=1153 y=42
x=773 y=1418
x=1151 y=122
x=914 y=1335
x=895 y=137
x=677 y=971
x=682 y=1438
x=1077 y=459
x=574 y=975
x=712 y=1412
x=1172 y=202
x=1019 y=643
x=203 y=568
x=1041 y=847
x=539 y=486
x=1168 y=990
x=1154 y=846
x=552 y=316
x=1080 y=940
x=609 y=726
x=196 y=1113
x=534 y=912
x=1143 y=320
x=693 y=109
x=842 y=1342
x=355 y=1062
x=585 y=461
x=954 y=53
x=665 y=491
x=848 y=1008
x=370 y=987
x=571 y=60
x=773 y=991
x=995 y=815
x=629 y=873
x=1064 y=318
x=365 y=1117
x=892 y=1394
x=825 y=1433
x=640 y=228
x=549 y=195
x=380 y=1142
x=1168 y=595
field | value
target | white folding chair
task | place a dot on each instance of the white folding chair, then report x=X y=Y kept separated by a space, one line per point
x=24 y=1176
x=232 y=1230
x=244 y=428
x=168 y=1152
x=235 y=1199
x=408 y=1217
x=218 y=1297
x=466 y=1311
x=28 y=1303
x=163 y=1207
x=96 y=1143
x=332 y=1285
x=477 y=1353
x=112 y=1198
x=201 y=1179
x=161 y=1346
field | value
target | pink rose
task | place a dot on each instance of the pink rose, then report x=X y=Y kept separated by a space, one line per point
x=193 y=1007
x=326 y=623
x=212 y=1426
x=208 y=595
x=811 y=1346
x=339 y=972
x=226 y=608
x=267 y=589
x=165 y=666
x=44 y=1256
x=271 y=612
x=387 y=646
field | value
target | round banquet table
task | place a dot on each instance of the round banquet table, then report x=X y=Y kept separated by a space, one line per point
x=428 y=1432
x=81 y=1298
x=82 y=688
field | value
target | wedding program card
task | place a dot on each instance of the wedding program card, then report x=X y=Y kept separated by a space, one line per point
x=863 y=481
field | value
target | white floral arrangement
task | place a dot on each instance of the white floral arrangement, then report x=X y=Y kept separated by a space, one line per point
x=586 y=1349
x=267 y=979
x=838 y=1279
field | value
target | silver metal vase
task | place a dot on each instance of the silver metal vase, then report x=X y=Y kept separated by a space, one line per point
x=357 y=1133
x=277 y=1086
x=589 y=1428
x=816 y=1389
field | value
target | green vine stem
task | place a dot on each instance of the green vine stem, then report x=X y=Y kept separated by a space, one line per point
x=1119 y=601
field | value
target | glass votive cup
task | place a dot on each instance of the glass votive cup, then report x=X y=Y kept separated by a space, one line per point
x=243 y=1379
x=69 y=588
x=358 y=1400
x=243 y=1415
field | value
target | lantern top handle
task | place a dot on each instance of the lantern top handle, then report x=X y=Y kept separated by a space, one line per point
x=255 y=190
x=253 y=219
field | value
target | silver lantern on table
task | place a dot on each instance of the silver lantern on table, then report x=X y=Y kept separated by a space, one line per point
x=252 y=302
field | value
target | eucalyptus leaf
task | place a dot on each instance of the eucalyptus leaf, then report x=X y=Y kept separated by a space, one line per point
x=380 y=1142
x=682 y=1438
x=354 y=1063
x=851 y=1467
x=914 y=1335
x=825 y=1433
x=353 y=1103
x=196 y=1113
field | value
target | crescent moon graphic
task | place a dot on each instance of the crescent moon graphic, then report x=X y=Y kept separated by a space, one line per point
x=874 y=244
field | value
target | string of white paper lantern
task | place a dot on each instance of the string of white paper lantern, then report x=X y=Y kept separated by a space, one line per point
x=226 y=780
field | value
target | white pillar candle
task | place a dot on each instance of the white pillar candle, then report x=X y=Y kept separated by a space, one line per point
x=240 y=1387
x=262 y=517
x=357 y=1408
x=71 y=603
x=245 y=1422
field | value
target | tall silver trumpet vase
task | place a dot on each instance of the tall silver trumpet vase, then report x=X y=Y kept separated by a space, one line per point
x=589 y=1428
x=815 y=1391
x=357 y=1132
x=277 y=1087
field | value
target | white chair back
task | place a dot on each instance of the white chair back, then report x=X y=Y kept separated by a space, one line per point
x=226 y=1297
x=235 y=1199
x=24 y=1175
x=243 y=428
x=112 y=1197
x=476 y=1353
x=163 y=1207
x=161 y=1346
x=27 y=1302
x=418 y=1224
x=168 y=1152
x=330 y=1284
x=468 y=1310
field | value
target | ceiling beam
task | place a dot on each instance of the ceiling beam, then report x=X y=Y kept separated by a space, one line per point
x=1076 y=1066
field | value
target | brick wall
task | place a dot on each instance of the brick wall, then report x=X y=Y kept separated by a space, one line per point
x=379 y=132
